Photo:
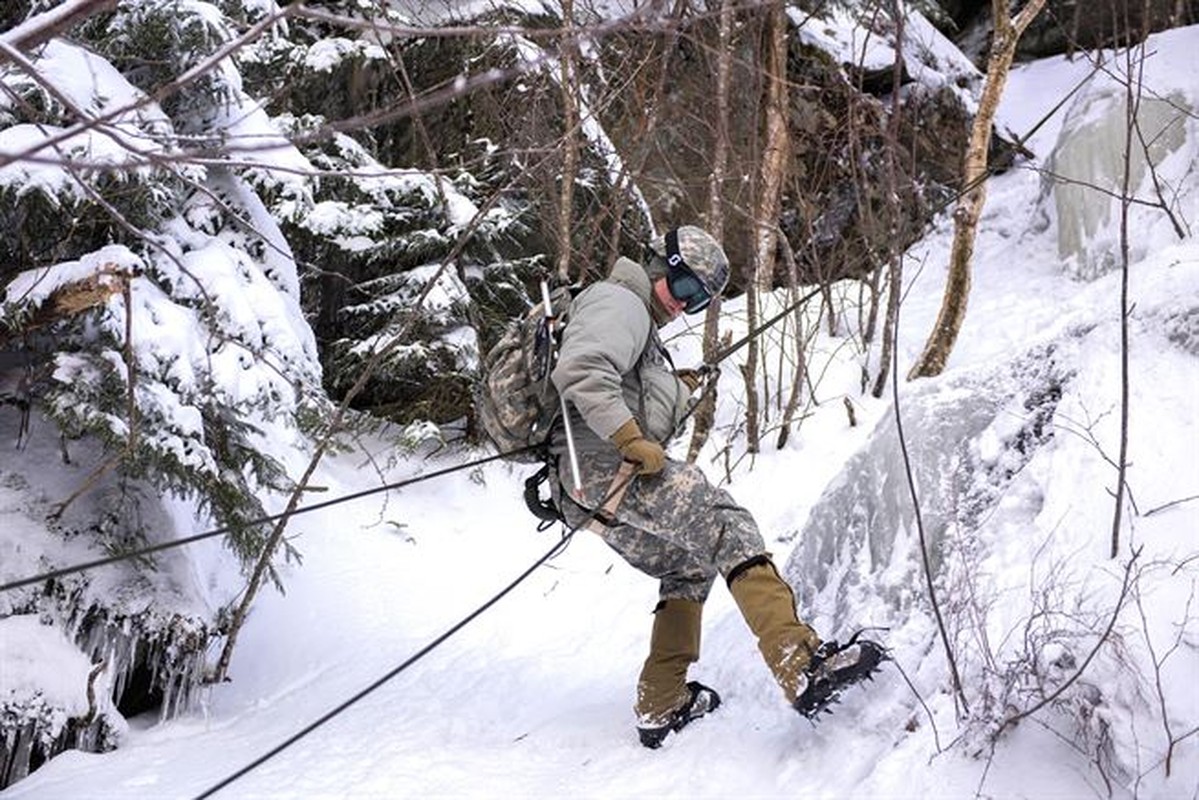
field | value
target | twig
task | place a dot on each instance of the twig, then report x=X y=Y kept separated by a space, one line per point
x=1170 y=504
x=1132 y=106
x=43 y=27
x=959 y=692
x=1111 y=624
x=928 y=712
x=88 y=483
x=197 y=71
x=1157 y=185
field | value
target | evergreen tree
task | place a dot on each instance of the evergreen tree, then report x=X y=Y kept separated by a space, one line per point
x=382 y=215
x=148 y=292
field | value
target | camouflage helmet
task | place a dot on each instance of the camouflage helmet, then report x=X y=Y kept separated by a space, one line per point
x=700 y=253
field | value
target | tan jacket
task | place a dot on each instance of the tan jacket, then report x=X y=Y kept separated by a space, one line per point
x=612 y=365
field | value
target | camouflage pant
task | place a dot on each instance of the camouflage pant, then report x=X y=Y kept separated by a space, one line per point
x=673 y=525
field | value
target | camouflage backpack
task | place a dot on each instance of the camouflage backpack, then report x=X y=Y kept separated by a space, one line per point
x=517 y=402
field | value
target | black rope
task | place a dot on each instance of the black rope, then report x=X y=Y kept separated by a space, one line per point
x=161 y=546
x=568 y=534
x=435 y=643
x=758 y=331
x=100 y=562
x=707 y=366
x=969 y=187
x=618 y=487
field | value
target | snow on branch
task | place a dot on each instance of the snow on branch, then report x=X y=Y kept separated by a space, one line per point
x=41 y=28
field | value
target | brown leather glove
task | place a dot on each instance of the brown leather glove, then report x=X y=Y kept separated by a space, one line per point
x=690 y=377
x=636 y=448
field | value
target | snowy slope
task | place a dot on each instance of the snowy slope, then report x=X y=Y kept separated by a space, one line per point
x=534 y=697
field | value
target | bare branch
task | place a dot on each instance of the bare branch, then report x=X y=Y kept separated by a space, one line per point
x=41 y=28
x=168 y=89
x=1170 y=504
x=1103 y=638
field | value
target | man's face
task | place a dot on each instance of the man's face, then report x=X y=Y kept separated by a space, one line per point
x=667 y=301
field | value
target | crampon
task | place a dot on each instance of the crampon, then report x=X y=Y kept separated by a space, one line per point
x=835 y=667
x=703 y=700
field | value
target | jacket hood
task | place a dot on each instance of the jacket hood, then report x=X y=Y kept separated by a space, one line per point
x=634 y=277
x=628 y=273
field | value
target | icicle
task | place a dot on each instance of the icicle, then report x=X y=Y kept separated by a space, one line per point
x=22 y=751
x=165 y=711
x=169 y=650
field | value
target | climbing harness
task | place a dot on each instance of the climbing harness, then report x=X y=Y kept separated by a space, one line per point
x=544 y=509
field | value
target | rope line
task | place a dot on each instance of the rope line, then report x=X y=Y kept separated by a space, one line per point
x=424 y=651
x=721 y=356
x=161 y=546
x=155 y=548
x=617 y=487
x=559 y=546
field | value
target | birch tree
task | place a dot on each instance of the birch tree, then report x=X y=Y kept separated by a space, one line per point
x=1008 y=30
x=570 y=144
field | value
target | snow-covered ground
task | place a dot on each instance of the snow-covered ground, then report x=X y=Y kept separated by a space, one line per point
x=533 y=698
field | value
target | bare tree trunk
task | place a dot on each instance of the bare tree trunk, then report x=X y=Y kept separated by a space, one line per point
x=893 y=212
x=801 y=363
x=777 y=151
x=1180 y=16
x=570 y=143
x=749 y=371
x=965 y=217
x=865 y=209
x=1132 y=104
x=705 y=413
x=774 y=167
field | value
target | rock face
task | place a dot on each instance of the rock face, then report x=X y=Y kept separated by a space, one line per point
x=37 y=722
x=647 y=152
x=1067 y=26
x=836 y=212
x=106 y=668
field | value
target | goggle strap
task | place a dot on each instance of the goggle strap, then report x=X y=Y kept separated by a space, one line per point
x=673 y=257
x=675 y=261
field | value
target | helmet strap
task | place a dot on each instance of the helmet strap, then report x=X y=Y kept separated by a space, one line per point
x=673 y=257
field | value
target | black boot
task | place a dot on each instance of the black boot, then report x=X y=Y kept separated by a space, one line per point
x=833 y=668
x=703 y=700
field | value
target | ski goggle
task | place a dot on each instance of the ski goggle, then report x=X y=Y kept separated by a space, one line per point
x=684 y=285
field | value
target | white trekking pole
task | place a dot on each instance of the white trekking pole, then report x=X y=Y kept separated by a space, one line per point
x=571 y=453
